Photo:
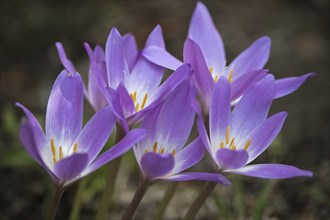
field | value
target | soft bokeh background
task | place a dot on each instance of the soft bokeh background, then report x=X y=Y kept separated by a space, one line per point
x=300 y=44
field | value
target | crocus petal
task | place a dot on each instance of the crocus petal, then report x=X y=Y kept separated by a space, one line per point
x=202 y=76
x=161 y=57
x=64 y=59
x=65 y=109
x=130 y=49
x=231 y=159
x=70 y=167
x=122 y=147
x=117 y=67
x=156 y=165
x=288 y=85
x=245 y=81
x=213 y=177
x=188 y=156
x=264 y=135
x=253 y=108
x=126 y=101
x=220 y=110
x=96 y=132
x=253 y=58
x=155 y=38
x=272 y=171
x=203 y=31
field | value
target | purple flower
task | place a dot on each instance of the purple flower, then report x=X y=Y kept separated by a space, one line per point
x=161 y=155
x=205 y=52
x=67 y=151
x=238 y=137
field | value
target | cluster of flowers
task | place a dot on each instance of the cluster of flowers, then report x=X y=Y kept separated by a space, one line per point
x=125 y=87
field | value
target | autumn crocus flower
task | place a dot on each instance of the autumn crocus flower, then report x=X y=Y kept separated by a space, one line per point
x=238 y=137
x=204 y=50
x=67 y=151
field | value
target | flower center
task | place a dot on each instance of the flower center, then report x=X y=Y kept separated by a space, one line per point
x=230 y=142
x=155 y=150
x=60 y=151
x=136 y=101
x=216 y=77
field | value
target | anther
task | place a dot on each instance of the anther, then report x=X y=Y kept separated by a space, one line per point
x=227 y=134
x=162 y=150
x=246 y=146
x=230 y=77
x=75 y=147
x=221 y=145
x=232 y=144
x=144 y=100
x=154 y=148
x=216 y=78
x=53 y=149
x=173 y=153
x=211 y=69
x=145 y=150
x=61 y=153
x=137 y=107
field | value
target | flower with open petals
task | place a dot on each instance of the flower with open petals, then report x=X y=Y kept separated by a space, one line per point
x=66 y=150
x=161 y=155
x=204 y=51
x=238 y=137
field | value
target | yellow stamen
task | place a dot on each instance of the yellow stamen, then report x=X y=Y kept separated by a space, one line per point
x=246 y=146
x=173 y=153
x=75 y=147
x=61 y=153
x=227 y=134
x=134 y=97
x=162 y=150
x=232 y=144
x=211 y=69
x=230 y=77
x=154 y=148
x=216 y=78
x=52 y=146
x=137 y=107
x=54 y=159
x=221 y=145
x=145 y=150
x=144 y=100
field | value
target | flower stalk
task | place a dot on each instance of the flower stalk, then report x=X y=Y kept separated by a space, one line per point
x=57 y=195
x=166 y=200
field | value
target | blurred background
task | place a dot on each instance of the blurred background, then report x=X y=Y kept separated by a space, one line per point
x=300 y=44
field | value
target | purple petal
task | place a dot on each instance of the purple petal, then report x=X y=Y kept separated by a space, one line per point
x=122 y=147
x=264 y=135
x=203 y=31
x=202 y=76
x=130 y=50
x=213 y=177
x=253 y=58
x=65 y=109
x=96 y=132
x=288 y=85
x=117 y=66
x=156 y=165
x=161 y=57
x=231 y=159
x=253 y=108
x=188 y=156
x=64 y=59
x=155 y=38
x=220 y=110
x=126 y=101
x=70 y=167
x=245 y=81
x=272 y=171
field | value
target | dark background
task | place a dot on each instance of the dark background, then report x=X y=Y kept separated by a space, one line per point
x=300 y=44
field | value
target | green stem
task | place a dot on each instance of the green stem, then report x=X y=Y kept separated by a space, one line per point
x=111 y=180
x=194 y=208
x=78 y=199
x=57 y=195
x=166 y=200
x=131 y=208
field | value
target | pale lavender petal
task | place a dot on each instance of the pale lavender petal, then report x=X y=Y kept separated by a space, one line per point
x=253 y=108
x=117 y=66
x=130 y=50
x=161 y=57
x=122 y=147
x=70 y=167
x=264 y=135
x=96 y=132
x=126 y=101
x=220 y=110
x=245 y=81
x=203 y=31
x=64 y=59
x=188 y=156
x=202 y=76
x=272 y=171
x=155 y=165
x=288 y=85
x=155 y=38
x=253 y=58
x=213 y=177
x=65 y=109
x=231 y=159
